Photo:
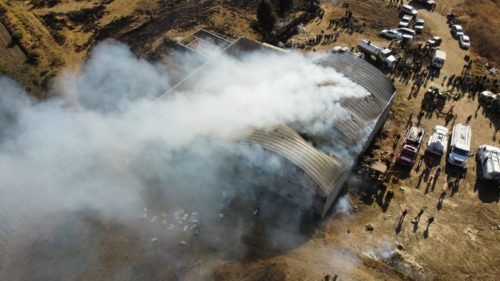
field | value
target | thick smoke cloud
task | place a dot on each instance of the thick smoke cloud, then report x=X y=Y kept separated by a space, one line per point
x=112 y=147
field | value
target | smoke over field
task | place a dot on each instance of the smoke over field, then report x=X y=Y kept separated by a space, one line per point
x=105 y=180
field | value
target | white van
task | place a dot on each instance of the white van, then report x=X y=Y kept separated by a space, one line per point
x=438 y=140
x=460 y=145
x=438 y=59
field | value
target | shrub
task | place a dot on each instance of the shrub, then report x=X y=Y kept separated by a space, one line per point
x=46 y=80
x=16 y=37
x=33 y=56
x=59 y=37
x=3 y=10
x=56 y=61
x=266 y=16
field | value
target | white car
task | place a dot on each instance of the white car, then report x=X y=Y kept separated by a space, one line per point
x=464 y=42
x=487 y=96
x=391 y=34
x=407 y=31
x=457 y=30
x=419 y=25
x=405 y=21
x=409 y=10
x=434 y=41
x=340 y=49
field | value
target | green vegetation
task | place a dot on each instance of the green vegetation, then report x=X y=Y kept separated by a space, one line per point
x=59 y=37
x=3 y=10
x=16 y=37
x=33 y=56
x=266 y=17
x=46 y=79
x=284 y=6
x=55 y=61
x=44 y=3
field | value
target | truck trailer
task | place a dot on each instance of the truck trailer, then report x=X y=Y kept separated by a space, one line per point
x=382 y=54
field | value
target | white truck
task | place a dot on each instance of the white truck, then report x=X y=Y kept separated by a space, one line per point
x=438 y=141
x=438 y=59
x=382 y=54
x=460 y=145
x=488 y=160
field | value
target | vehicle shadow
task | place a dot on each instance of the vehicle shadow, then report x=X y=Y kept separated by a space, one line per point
x=487 y=193
x=454 y=171
x=402 y=171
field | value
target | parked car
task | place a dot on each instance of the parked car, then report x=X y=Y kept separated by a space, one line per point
x=429 y=4
x=407 y=31
x=457 y=31
x=487 y=96
x=391 y=34
x=340 y=49
x=419 y=25
x=405 y=21
x=438 y=141
x=434 y=41
x=409 y=10
x=464 y=42
x=438 y=59
x=451 y=16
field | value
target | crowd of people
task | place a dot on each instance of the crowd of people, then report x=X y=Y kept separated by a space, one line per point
x=465 y=82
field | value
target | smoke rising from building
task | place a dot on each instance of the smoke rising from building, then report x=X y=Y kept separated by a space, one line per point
x=107 y=145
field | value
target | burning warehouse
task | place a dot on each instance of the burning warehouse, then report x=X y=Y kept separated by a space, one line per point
x=317 y=163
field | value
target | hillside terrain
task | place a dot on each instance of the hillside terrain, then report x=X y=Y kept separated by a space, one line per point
x=58 y=34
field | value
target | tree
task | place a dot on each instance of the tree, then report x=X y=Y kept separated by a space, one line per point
x=59 y=37
x=16 y=38
x=285 y=6
x=3 y=10
x=266 y=17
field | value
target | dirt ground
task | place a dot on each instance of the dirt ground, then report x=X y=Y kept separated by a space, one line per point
x=459 y=245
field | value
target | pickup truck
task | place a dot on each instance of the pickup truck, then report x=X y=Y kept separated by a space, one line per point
x=382 y=54
x=411 y=145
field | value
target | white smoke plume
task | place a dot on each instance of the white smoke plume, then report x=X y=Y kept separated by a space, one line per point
x=343 y=206
x=108 y=146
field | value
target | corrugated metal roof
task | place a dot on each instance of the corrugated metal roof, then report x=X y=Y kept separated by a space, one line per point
x=325 y=169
